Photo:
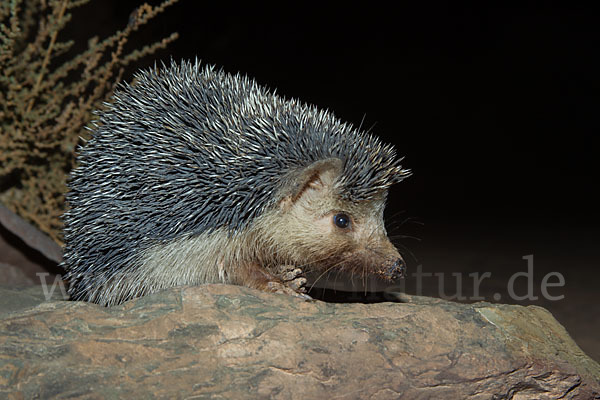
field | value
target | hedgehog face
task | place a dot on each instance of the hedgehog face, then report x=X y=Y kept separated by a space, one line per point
x=317 y=229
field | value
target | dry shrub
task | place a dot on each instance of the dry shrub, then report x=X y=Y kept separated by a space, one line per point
x=45 y=103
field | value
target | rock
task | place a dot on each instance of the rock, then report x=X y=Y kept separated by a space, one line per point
x=14 y=276
x=30 y=235
x=223 y=341
x=25 y=251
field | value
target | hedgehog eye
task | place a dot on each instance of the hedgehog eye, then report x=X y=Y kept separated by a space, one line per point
x=341 y=220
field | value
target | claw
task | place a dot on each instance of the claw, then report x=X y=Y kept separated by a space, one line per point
x=277 y=287
x=298 y=284
x=291 y=275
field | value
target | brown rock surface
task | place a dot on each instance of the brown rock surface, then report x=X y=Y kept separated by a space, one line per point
x=220 y=341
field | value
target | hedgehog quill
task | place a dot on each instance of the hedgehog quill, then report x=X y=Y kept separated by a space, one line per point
x=193 y=176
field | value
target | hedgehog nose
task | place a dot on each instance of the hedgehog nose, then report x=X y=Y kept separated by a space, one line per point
x=397 y=269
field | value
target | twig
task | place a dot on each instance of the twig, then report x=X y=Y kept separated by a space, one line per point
x=47 y=57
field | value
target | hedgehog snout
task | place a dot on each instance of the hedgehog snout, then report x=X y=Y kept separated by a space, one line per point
x=396 y=269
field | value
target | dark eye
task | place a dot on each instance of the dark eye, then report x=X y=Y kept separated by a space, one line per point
x=341 y=220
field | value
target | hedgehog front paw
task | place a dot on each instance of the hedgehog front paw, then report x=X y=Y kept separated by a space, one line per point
x=293 y=277
x=279 y=287
x=293 y=282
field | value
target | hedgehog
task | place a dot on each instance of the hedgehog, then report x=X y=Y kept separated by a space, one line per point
x=193 y=175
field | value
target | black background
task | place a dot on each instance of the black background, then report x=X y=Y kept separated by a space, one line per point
x=494 y=108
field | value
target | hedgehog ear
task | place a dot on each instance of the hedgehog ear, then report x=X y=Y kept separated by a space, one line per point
x=317 y=177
